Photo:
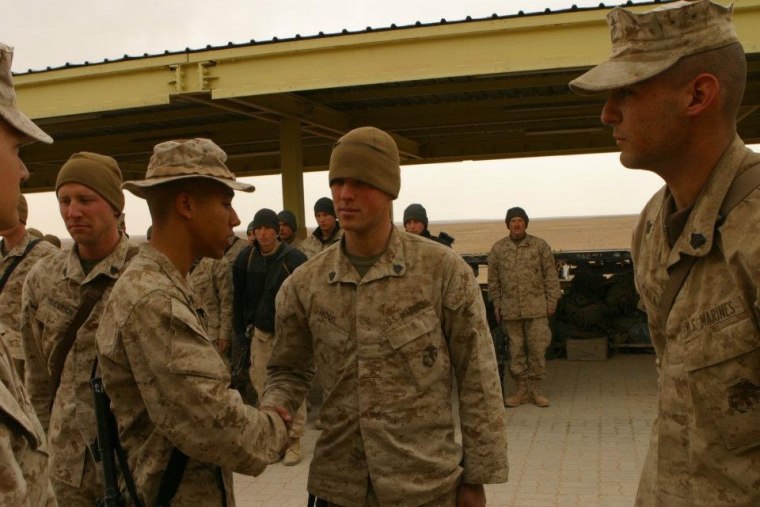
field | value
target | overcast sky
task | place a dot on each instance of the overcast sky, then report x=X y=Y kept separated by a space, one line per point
x=53 y=32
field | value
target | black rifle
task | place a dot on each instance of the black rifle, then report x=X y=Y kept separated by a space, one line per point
x=108 y=447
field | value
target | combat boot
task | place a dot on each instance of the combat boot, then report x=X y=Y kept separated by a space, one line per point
x=293 y=454
x=520 y=396
x=536 y=395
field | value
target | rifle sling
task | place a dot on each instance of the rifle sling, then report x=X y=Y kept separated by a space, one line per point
x=740 y=188
x=14 y=264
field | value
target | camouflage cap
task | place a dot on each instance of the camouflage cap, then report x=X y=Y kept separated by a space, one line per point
x=184 y=159
x=9 y=110
x=646 y=44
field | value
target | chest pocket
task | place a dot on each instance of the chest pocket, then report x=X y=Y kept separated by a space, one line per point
x=724 y=377
x=419 y=341
x=191 y=351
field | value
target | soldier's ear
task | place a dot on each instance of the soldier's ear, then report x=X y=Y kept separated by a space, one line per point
x=184 y=205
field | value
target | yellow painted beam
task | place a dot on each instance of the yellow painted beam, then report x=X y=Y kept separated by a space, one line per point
x=487 y=47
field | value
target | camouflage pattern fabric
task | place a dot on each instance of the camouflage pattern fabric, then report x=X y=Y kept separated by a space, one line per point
x=238 y=245
x=23 y=447
x=313 y=243
x=10 y=297
x=169 y=388
x=705 y=446
x=52 y=294
x=212 y=281
x=522 y=278
x=386 y=347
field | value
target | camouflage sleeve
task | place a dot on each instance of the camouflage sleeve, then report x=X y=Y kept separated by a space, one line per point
x=185 y=387
x=481 y=409
x=291 y=366
x=551 y=277
x=37 y=378
x=494 y=283
x=223 y=277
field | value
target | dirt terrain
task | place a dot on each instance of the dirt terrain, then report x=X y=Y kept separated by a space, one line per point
x=572 y=233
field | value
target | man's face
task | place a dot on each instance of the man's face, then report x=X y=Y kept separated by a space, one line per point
x=414 y=226
x=361 y=207
x=325 y=221
x=213 y=220
x=285 y=232
x=517 y=226
x=250 y=236
x=646 y=124
x=12 y=173
x=89 y=218
x=267 y=238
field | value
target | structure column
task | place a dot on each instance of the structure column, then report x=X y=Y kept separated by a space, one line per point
x=291 y=163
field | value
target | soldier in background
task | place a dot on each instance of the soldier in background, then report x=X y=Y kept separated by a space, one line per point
x=258 y=274
x=19 y=251
x=328 y=229
x=249 y=233
x=288 y=228
x=416 y=222
x=23 y=446
x=212 y=281
x=60 y=352
x=387 y=318
x=169 y=388
x=674 y=83
x=524 y=287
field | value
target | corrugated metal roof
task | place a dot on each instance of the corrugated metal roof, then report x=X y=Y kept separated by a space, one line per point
x=276 y=40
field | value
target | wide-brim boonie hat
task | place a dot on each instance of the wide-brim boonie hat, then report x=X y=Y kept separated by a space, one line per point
x=8 y=108
x=186 y=159
x=647 y=44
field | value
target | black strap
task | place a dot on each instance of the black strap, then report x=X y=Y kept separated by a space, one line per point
x=740 y=188
x=172 y=478
x=14 y=264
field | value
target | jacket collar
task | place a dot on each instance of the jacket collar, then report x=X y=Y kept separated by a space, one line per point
x=110 y=266
x=392 y=262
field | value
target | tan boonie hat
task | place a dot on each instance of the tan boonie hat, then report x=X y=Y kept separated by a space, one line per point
x=646 y=44
x=9 y=111
x=184 y=159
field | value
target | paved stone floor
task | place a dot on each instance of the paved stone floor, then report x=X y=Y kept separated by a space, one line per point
x=587 y=449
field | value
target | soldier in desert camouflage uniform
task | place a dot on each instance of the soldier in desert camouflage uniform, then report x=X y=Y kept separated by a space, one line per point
x=288 y=229
x=328 y=229
x=169 y=389
x=212 y=280
x=387 y=318
x=19 y=251
x=23 y=446
x=675 y=81
x=90 y=200
x=524 y=287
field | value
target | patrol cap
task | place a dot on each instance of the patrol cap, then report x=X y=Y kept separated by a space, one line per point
x=9 y=110
x=646 y=44
x=185 y=159
x=370 y=155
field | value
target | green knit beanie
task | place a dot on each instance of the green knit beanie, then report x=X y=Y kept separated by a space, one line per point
x=369 y=155
x=99 y=172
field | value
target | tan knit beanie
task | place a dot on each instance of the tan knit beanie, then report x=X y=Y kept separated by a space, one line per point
x=23 y=209
x=99 y=172
x=369 y=155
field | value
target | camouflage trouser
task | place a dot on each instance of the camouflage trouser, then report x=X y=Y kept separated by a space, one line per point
x=446 y=500
x=87 y=493
x=262 y=344
x=528 y=341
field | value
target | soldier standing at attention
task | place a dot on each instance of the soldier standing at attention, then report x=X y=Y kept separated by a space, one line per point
x=387 y=318
x=19 y=251
x=169 y=388
x=23 y=446
x=328 y=229
x=58 y=337
x=524 y=287
x=674 y=83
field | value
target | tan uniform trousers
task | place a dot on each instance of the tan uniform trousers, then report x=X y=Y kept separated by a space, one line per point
x=448 y=499
x=87 y=493
x=262 y=343
x=528 y=341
